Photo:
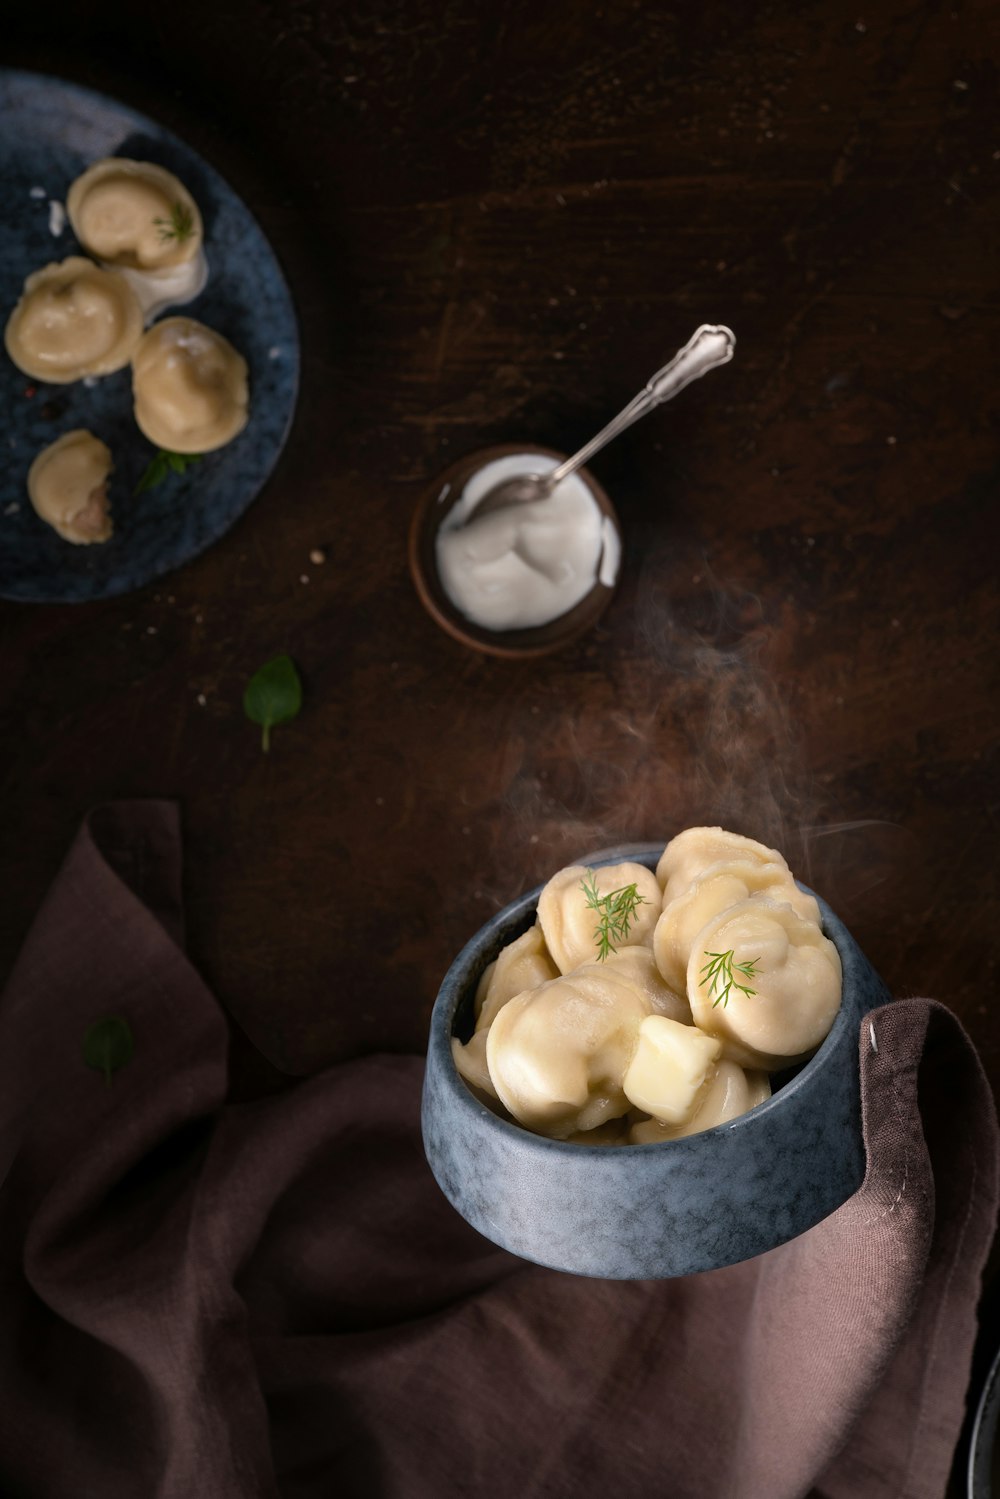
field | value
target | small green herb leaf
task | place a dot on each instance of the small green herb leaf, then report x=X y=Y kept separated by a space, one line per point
x=273 y=696
x=161 y=467
x=616 y=912
x=719 y=972
x=108 y=1045
x=179 y=226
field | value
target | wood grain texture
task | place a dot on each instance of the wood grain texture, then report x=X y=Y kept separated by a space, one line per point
x=497 y=221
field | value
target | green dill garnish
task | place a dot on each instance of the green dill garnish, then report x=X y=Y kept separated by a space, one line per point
x=720 y=969
x=616 y=911
x=162 y=466
x=179 y=226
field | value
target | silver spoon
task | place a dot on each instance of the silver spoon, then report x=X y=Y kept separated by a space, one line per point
x=709 y=345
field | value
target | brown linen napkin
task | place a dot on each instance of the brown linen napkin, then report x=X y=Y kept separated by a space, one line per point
x=212 y=1301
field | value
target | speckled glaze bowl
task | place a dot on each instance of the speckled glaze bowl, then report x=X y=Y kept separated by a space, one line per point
x=648 y=1211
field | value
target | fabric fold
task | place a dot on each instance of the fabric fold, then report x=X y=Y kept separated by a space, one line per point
x=273 y=1297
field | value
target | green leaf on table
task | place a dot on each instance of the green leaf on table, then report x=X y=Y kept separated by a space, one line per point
x=162 y=465
x=108 y=1045
x=273 y=696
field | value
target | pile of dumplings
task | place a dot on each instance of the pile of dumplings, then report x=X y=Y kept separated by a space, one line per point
x=80 y=318
x=651 y=1043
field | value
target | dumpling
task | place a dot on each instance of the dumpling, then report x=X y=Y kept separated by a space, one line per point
x=691 y=852
x=68 y=486
x=795 y=975
x=569 y=924
x=637 y=966
x=720 y=886
x=189 y=386
x=73 y=319
x=135 y=214
x=522 y=964
x=557 y=1054
x=470 y=1064
x=728 y=1093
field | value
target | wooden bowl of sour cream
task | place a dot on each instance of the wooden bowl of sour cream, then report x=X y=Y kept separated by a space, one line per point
x=483 y=591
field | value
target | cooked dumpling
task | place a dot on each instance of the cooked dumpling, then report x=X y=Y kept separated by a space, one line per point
x=727 y=1093
x=190 y=387
x=73 y=319
x=637 y=966
x=557 y=1054
x=569 y=924
x=135 y=214
x=470 y=1064
x=795 y=975
x=68 y=486
x=522 y=964
x=691 y=852
x=720 y=886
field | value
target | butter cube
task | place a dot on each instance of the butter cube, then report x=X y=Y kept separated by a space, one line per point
x=669 y=1068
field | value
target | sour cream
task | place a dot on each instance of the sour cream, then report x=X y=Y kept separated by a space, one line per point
x=170 y=287
x=516 y=568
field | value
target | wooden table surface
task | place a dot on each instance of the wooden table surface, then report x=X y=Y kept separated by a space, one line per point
x=497 y=220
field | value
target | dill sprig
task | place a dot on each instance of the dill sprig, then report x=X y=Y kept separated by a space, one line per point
x=179 y=226
x=162 y=466
x=616 y=912
x=721 y=970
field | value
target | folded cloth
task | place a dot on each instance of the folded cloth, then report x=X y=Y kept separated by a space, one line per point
x=205 y=1300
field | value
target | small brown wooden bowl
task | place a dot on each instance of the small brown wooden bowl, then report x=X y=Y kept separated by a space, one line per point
x=432 y=507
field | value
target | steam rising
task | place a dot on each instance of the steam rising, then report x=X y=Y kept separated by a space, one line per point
x=707 y=738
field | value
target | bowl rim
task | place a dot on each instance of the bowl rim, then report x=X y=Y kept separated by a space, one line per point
x=450 y=996
x=521 y=644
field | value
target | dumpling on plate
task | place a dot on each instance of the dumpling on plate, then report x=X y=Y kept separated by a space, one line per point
x=189 y=386
x=72 y=320
x=135 y=214
x=68 y=486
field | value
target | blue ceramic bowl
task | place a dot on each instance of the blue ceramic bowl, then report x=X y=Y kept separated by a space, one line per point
x=649 y=1211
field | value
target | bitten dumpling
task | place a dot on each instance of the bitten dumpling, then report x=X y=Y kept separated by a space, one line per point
x=68 y=486
x=796 y=978
x=721 y=885
x=72 y=320
x=190 y=387
x=568 y=923
x=135 y=214
x=557 y=1054
x=728 y=1093
x=691 y=852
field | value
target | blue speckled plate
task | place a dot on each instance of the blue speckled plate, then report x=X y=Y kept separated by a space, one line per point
x=49 y=131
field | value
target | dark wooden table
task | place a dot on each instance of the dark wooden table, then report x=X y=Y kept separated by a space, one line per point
x=497 y=220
